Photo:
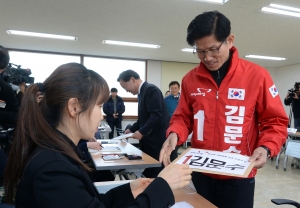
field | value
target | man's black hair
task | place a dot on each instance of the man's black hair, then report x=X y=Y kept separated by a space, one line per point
x=4 y=57
x=126 y=75
x=206 y=24
x=173 y=83
x=113 y=90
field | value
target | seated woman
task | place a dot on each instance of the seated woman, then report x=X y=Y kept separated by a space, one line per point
x=45 y=169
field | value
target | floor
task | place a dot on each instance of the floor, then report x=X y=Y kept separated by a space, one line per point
x=276 y=183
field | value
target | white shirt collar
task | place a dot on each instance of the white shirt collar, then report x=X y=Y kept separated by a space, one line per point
x=140 y=87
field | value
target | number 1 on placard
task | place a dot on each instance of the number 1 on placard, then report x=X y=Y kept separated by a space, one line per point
x=187 y=159
x=200 y=117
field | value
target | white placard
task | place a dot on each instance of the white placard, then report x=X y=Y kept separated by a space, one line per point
x=216 y=162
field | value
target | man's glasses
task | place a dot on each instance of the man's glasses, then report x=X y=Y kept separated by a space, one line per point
x=211 y=52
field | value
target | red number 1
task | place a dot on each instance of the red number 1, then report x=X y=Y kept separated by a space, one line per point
x=187 y=159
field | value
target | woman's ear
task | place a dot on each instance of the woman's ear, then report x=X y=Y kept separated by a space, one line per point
x=73 y=107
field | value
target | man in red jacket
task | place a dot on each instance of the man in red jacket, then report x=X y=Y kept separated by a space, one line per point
x=231 y=105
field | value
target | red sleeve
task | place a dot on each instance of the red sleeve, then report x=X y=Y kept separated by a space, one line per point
x=272 y=118
x=182 y=120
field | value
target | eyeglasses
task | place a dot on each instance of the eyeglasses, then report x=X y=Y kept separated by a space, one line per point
x=211 y=52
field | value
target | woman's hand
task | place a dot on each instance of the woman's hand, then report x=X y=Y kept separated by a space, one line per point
x=94 y=145
x=139 y=185
x=177 y=176
x=93 y=140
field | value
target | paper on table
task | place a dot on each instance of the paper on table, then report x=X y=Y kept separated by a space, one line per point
x=110 y=149
x=124 y=136
x=182 y=205
x=93 y=150
x=291 y=130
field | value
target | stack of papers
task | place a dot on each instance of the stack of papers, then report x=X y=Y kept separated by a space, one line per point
x=106 y=149
x=291 y=130
x=112 y=157
x=110 y=149
x=124 y=136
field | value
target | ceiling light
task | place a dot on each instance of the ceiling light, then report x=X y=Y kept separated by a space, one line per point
x=42 y=35
x=278 y=11
x=114 y=42
x=188 y=50
x=214 y=1
x=285 y=7
x=284 y=10
x=265 y=57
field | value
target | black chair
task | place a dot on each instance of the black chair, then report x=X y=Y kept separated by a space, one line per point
x=285 y=201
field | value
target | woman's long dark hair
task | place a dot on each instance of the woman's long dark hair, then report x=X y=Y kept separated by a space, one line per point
x=37 y=121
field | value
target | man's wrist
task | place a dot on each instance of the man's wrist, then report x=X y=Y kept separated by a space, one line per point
x=175 y=134
x=268 y=151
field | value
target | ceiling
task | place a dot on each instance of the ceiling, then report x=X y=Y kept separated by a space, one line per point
x=161 y=22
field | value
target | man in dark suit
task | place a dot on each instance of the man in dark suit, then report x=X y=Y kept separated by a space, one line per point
x=153 y=117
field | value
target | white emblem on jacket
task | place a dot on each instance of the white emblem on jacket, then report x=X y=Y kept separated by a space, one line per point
x=273 y=90
x=201 y=91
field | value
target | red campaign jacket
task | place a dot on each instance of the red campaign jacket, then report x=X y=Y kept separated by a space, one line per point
x=245 y=112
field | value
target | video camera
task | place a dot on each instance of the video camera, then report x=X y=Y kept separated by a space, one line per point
x=292 y=91
x=15 y=75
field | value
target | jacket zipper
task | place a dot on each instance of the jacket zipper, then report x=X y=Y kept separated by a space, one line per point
x=216 y=115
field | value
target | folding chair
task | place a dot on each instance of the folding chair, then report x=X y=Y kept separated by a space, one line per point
x=292 y=149
x=284 y=149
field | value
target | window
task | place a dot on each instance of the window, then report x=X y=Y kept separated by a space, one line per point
x=41 y=64
x=131 y=108
x=110 y=69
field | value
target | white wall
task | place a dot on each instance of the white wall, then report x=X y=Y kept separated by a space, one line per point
x=154 y=73
x=174 y=71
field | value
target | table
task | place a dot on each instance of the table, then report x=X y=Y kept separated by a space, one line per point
x=297 y=134
x=195 y=200
x=135 y=166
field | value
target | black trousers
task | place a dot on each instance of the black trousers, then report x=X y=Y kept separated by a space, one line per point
x=231 y=193
x=112 y=124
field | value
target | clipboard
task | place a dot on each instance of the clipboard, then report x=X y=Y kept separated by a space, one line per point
x=199 y=156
